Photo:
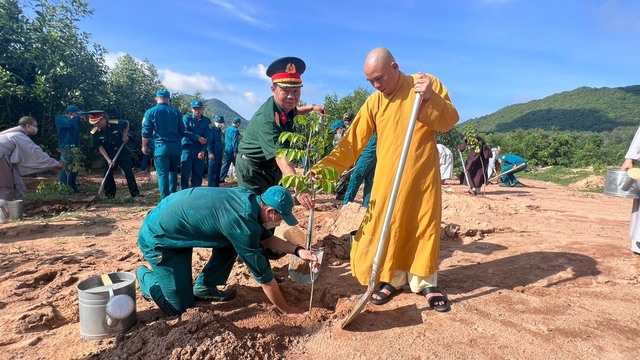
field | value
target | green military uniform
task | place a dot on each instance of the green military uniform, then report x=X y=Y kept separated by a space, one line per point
x=256 y=167
x=110 y=138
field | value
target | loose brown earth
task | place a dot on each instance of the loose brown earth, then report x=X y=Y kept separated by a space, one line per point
x=541 y=272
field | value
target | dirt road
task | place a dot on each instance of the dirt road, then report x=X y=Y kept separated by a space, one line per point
x=541 y=272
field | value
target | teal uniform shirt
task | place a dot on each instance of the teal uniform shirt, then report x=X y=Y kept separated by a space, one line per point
x=193 y=130
x=214 y=142
x=163 y=123
x=210 y=217
x=256 y=168
x=231 y=139
x=68 y=131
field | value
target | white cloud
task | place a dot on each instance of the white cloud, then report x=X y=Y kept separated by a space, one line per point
x=207 y=85
x=259 y=71
x=242 y=14
x=252 y=98
x=112 y=59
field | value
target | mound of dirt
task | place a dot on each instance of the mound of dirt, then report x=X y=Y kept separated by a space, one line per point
x=591 y=183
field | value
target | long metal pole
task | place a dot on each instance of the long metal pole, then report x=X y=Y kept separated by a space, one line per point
x=382 y=243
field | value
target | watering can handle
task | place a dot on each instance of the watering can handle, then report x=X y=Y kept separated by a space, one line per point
x=106 y=280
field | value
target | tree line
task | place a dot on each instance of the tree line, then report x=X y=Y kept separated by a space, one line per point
x=47 y=63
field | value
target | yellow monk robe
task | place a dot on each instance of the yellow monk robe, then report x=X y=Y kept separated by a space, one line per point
x=414 y=233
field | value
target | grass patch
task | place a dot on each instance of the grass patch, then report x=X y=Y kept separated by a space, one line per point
x=557 y=174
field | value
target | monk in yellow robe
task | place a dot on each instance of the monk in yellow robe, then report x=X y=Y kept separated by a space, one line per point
x=414 y=233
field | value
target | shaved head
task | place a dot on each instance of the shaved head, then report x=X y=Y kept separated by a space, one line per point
x=381 y=70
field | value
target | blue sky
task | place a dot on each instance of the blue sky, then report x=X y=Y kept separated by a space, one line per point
x=489 y=53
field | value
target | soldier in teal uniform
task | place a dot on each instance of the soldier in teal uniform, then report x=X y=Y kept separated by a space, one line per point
x=214 y=147
x=68 y=130
x=163 y=123
x=231 y=141
x=231 y=221
x=364 y=172
x=257 y=166
x=194 y=145
x=108 y=135
x=508 y=162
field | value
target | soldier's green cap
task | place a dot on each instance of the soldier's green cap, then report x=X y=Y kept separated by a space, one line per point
x=281 y=200
x=196 y=104
x=337 y=125
x=163 y=93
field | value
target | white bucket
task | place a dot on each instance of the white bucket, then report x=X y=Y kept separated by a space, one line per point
x=16 y=209
x=4 y=212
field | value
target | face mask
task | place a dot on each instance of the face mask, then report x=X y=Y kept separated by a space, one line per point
x=219 y=125
x=271 y=224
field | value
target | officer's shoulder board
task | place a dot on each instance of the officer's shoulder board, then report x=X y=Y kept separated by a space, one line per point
x=94 y=130
x=114 y=122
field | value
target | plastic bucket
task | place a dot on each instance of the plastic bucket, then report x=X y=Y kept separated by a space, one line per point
x=93 y=299
x=4 y=212
x=15 y=209
x=618 y=183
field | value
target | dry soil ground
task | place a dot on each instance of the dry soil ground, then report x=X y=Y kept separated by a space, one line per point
x=541 y=272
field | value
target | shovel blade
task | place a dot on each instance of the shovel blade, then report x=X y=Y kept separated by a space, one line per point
x=362 y=303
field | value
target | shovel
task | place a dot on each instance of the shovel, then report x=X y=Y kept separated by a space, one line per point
x=382 y=243
x=508 y=171
x=113 y=164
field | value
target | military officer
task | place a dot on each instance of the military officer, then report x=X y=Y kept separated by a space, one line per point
x=107 y=136
x=194 y=145
x=257 y=166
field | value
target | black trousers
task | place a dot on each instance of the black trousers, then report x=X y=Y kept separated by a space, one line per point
x=124 y=162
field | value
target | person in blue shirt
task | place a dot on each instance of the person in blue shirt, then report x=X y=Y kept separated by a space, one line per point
x=364 y=171
x=68 y=130
x=508 y=162
x=231 y=141
x=233 y=222
x=194 y=145
x=214 y=147
x=163 y=123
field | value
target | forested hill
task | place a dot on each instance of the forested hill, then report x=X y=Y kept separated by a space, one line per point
x=218 y=107
x=582 y=109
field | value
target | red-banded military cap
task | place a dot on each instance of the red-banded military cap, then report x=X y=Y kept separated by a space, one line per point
x=286 y=71
x=95 y=116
